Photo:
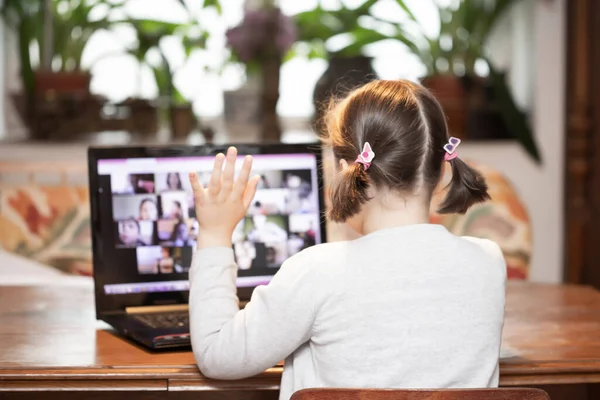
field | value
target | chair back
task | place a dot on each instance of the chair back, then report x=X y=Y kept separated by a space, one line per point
x=437 y=394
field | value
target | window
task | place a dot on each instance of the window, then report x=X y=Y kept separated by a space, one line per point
x=118 y=76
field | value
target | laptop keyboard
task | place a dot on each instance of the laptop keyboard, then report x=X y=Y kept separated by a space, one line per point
x=164 y=320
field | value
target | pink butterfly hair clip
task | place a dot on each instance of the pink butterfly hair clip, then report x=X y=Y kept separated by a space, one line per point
x=450 y=148
x=366 y=156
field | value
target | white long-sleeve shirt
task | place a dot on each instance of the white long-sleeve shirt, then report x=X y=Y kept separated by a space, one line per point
x=408 y=307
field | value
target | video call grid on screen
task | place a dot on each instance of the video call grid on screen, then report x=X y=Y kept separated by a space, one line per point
x=153 y=215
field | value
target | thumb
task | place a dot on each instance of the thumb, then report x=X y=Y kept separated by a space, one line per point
x=250 y=191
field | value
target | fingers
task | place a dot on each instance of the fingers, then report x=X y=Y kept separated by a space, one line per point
x=250 y=191
x=242 y=180
x=227 y=184
x=197 y=188
x=214 y=186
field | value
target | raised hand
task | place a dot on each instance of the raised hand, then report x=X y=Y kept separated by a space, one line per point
x=221 y=205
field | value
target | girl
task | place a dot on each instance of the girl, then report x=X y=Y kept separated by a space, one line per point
x=130 y=233
x=407 y=305
x=181 y=235
x=174 y=181
x=176 y=211
x=148 y=210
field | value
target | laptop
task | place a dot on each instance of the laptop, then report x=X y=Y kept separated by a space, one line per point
x=144 y=229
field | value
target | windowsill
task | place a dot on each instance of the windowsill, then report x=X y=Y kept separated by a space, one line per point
x=296 y=130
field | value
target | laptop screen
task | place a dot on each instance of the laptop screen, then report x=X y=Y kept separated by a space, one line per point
x=149 y=205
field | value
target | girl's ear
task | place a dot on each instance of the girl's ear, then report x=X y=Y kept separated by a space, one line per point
x=343 y=164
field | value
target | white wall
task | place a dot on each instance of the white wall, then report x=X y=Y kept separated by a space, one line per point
x=13 y=127
x=2 y=77
x=540 y=187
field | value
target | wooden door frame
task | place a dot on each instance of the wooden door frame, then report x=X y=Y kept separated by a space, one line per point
x=582 y=145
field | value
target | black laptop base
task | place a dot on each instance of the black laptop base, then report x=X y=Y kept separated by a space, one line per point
x=175 y=338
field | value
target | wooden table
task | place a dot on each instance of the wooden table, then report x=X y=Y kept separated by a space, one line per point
x=50 y=343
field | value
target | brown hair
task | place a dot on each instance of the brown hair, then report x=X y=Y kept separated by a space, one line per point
x=406 y=128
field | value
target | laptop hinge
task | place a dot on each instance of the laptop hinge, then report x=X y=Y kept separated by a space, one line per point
x=156 y=309
x=165 y=309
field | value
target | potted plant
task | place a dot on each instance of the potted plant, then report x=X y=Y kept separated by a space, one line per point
x=72 y=25
x=178 y=110
x=175 y=108
x=349 y=66
x=260 y=43
x=144 y=113
x=473 y=103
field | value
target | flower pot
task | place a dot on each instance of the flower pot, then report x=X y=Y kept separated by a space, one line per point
x=74 y=83
x=243 y=112
x=342 y=75
x=450 y=91
x=143 y=116
x=484 y=118
x=183 y=121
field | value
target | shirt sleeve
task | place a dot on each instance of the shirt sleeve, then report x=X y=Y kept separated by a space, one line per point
x=230 y=343
x=494 y=251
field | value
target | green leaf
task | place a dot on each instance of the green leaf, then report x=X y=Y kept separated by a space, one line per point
x=317 y=50
x=361 y=38
x=151 y=27
x=365 y=7
x=514 y=118
x=406 y=9
x=182 y=2
x=317 y=24
x=291 y=54
x=410 y=43
x=178 y=98
x=501 y=7
x=163 y=80
x=190 y=44
x=214 y=3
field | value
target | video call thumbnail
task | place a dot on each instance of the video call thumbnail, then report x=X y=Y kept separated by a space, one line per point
x=125 y=183
x=174 y=205
x=178 y=233
x=172 y=181
x=303 y=232
x=261 y=241
x=266 y=228
x=163 y=260
x=132 y=233
x=302 y=194
x=143 y=207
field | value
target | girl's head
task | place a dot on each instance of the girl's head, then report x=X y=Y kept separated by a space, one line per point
x=148 y=210
x=129 y=231
x=180 y=231
x=406 y=129
x=176 y=210
x=174 y=181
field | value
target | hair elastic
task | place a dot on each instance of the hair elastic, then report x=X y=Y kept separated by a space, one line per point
x=366 y=156
x=450 y=148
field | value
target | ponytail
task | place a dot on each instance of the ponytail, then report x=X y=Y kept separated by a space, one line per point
x=466 y=188
x=348 y=193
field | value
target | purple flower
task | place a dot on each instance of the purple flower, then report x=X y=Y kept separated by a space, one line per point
x=252 y=38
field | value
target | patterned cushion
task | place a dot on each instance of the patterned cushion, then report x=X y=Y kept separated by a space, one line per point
x=504 y=219
x=48 y=223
